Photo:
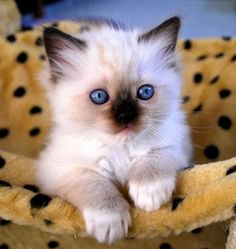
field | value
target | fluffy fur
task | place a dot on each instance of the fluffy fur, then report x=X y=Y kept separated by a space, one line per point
x=89 y=154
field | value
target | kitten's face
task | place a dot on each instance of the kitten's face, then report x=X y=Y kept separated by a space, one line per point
x=114 y=81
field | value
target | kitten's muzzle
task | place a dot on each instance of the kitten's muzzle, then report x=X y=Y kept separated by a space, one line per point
x=126 y=113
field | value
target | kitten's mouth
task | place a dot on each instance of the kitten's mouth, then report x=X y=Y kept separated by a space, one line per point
x=125 y=129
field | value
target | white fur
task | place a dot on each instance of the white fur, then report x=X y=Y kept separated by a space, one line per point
x=107 y=227
x=152 y=195
x=80 y=145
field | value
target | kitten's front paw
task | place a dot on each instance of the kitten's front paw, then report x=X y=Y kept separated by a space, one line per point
x=151 y=196
x=107 y=226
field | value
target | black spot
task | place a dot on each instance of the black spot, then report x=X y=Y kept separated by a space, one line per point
x=219 y=55
x=48 y=222
x=233 y=58
x=214 y=80
x=39 y=41
x=201 y=57
x=224 y=93
x=165 y=246
x=32 y=188
x=4 y=246
x=185 y=99
x=197 y=108
x=231 y=170
x=197 y=230
x=175 y=203
x=55 y=24
x=211 y=152
x=234 y=209
x=22 y=57
x=226 y=38
x=34 y=132
x=84 y=29
x=53 y=244
x=187 y=44
x=42 y=57
x=19 y=92
x=2 y=162
x=4 y=184
x=35 y=110
x=26 y=28
x=4 y=222
x=225 y=122
x=40 y=201
x=4 y=132
x=197 y=78
x=11 y=38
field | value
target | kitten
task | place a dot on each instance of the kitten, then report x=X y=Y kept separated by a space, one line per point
x=115 y=99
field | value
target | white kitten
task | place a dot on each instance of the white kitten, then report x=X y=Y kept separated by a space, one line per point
x=115 y=99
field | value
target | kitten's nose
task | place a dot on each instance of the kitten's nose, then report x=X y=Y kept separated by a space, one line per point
x=126 y=112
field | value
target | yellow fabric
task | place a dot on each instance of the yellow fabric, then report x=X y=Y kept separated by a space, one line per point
x=205 y=194
x=9 y=16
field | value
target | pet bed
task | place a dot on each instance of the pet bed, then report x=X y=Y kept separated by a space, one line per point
x=203 y=206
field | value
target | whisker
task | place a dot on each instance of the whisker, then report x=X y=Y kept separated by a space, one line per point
x=155 y=131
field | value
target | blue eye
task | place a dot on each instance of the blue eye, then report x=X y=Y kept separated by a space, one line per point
x=145 y=92
x=99 y=96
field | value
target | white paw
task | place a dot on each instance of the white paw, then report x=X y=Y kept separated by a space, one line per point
x=151 y=196
x=107 y=226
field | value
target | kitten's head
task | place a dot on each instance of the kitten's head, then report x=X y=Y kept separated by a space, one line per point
x=113 y=81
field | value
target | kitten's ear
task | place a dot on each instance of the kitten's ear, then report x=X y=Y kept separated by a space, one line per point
x=58 y=46
x=168 y=31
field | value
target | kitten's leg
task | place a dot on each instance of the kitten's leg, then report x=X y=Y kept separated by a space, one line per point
x=152 y=178
x=105 y=211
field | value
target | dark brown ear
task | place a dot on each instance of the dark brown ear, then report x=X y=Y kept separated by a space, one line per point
x=168 y=30
x=56 y=42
